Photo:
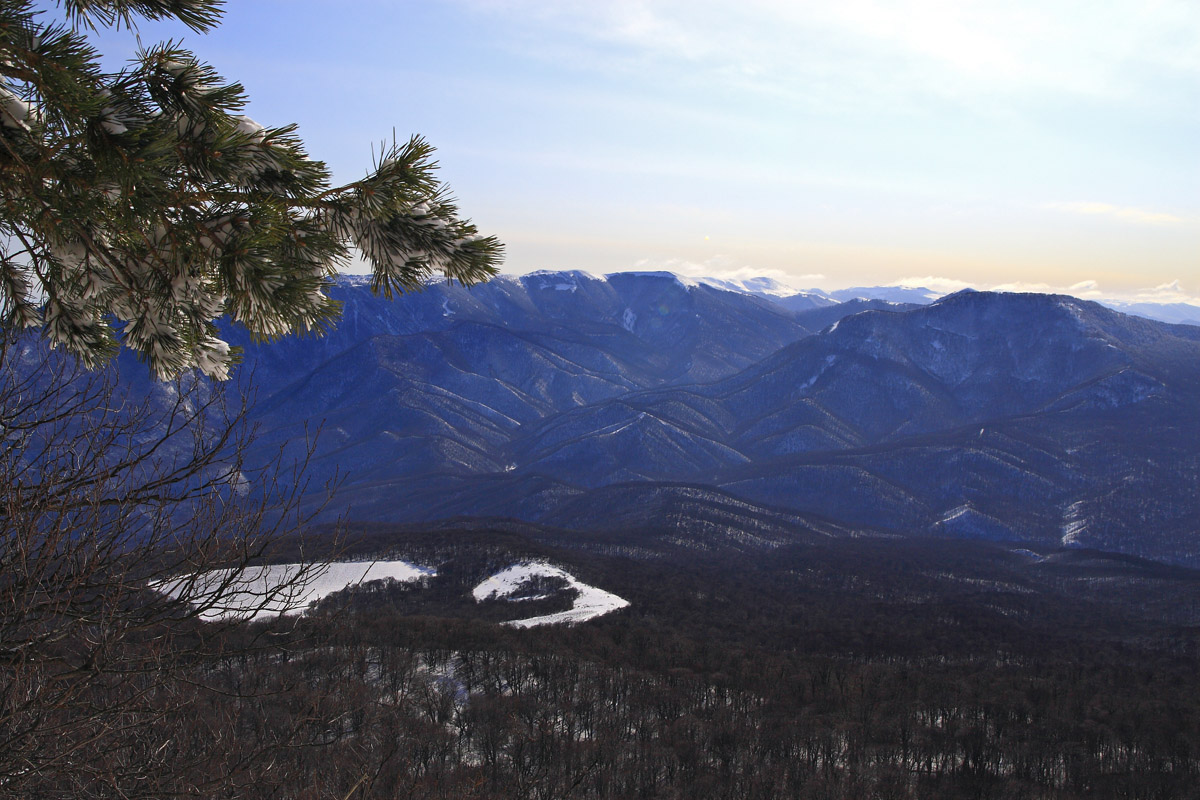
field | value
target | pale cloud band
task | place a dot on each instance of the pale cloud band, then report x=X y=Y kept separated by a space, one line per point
x=1172 y=292
x=1139 y=216
x=723 y=267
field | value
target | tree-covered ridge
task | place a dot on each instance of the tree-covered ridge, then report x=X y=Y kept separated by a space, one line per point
x=139 y=207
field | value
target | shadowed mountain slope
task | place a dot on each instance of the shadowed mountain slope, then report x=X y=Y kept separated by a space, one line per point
x=565 y=398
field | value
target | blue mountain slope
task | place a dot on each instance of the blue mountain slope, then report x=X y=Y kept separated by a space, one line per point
x=981 y=415
x=440 y=381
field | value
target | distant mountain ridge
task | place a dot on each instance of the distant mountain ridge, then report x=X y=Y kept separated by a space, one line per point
x=572 y=400
x=1176 y=313
x=917 y=295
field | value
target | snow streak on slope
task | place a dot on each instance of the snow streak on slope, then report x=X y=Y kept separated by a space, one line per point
x=262 y=592
x=590 y=603
x=1074 y=525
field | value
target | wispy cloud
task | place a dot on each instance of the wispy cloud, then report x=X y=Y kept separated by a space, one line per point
x=955 y=48
x=1172 y=292
x=726 y=268
x=1139 y=216
x=1088 y=290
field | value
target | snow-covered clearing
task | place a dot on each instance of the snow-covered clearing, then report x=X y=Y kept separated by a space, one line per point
x=590 y=603
x=261 y=592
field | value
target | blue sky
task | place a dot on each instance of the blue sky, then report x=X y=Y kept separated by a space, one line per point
x=1051 y=144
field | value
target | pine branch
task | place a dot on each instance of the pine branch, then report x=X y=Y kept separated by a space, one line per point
x=147 y=205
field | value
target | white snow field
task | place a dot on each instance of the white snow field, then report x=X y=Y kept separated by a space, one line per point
x=261 y=592
x=590 y=603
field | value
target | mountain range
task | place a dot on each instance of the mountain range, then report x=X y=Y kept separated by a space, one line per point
x=678 y=408
x=799 y=300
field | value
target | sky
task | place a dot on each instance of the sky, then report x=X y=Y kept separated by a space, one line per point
x=1047 y=144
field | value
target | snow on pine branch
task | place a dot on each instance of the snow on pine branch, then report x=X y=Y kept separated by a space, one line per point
x=148 y=205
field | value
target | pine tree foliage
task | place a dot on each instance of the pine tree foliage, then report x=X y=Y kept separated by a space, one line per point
x=139 y=207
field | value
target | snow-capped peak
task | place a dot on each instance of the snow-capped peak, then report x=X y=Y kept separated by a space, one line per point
x=760 y=286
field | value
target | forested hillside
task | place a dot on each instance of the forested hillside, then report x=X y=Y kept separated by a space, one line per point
x=850 y=668
x=568 y=399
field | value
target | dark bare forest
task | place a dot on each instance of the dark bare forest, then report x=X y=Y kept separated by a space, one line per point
x=851 y=669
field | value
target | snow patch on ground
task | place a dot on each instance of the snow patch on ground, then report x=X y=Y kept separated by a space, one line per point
x=1074 y=525
x=558 y=281
x=556 y=277
x=590 y=603
x=617 y=427
x=1074 y=310
x=956 y=512
x=829 y=361
x=262 y=592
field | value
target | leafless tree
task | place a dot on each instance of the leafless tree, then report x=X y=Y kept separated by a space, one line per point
x=130 y=523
